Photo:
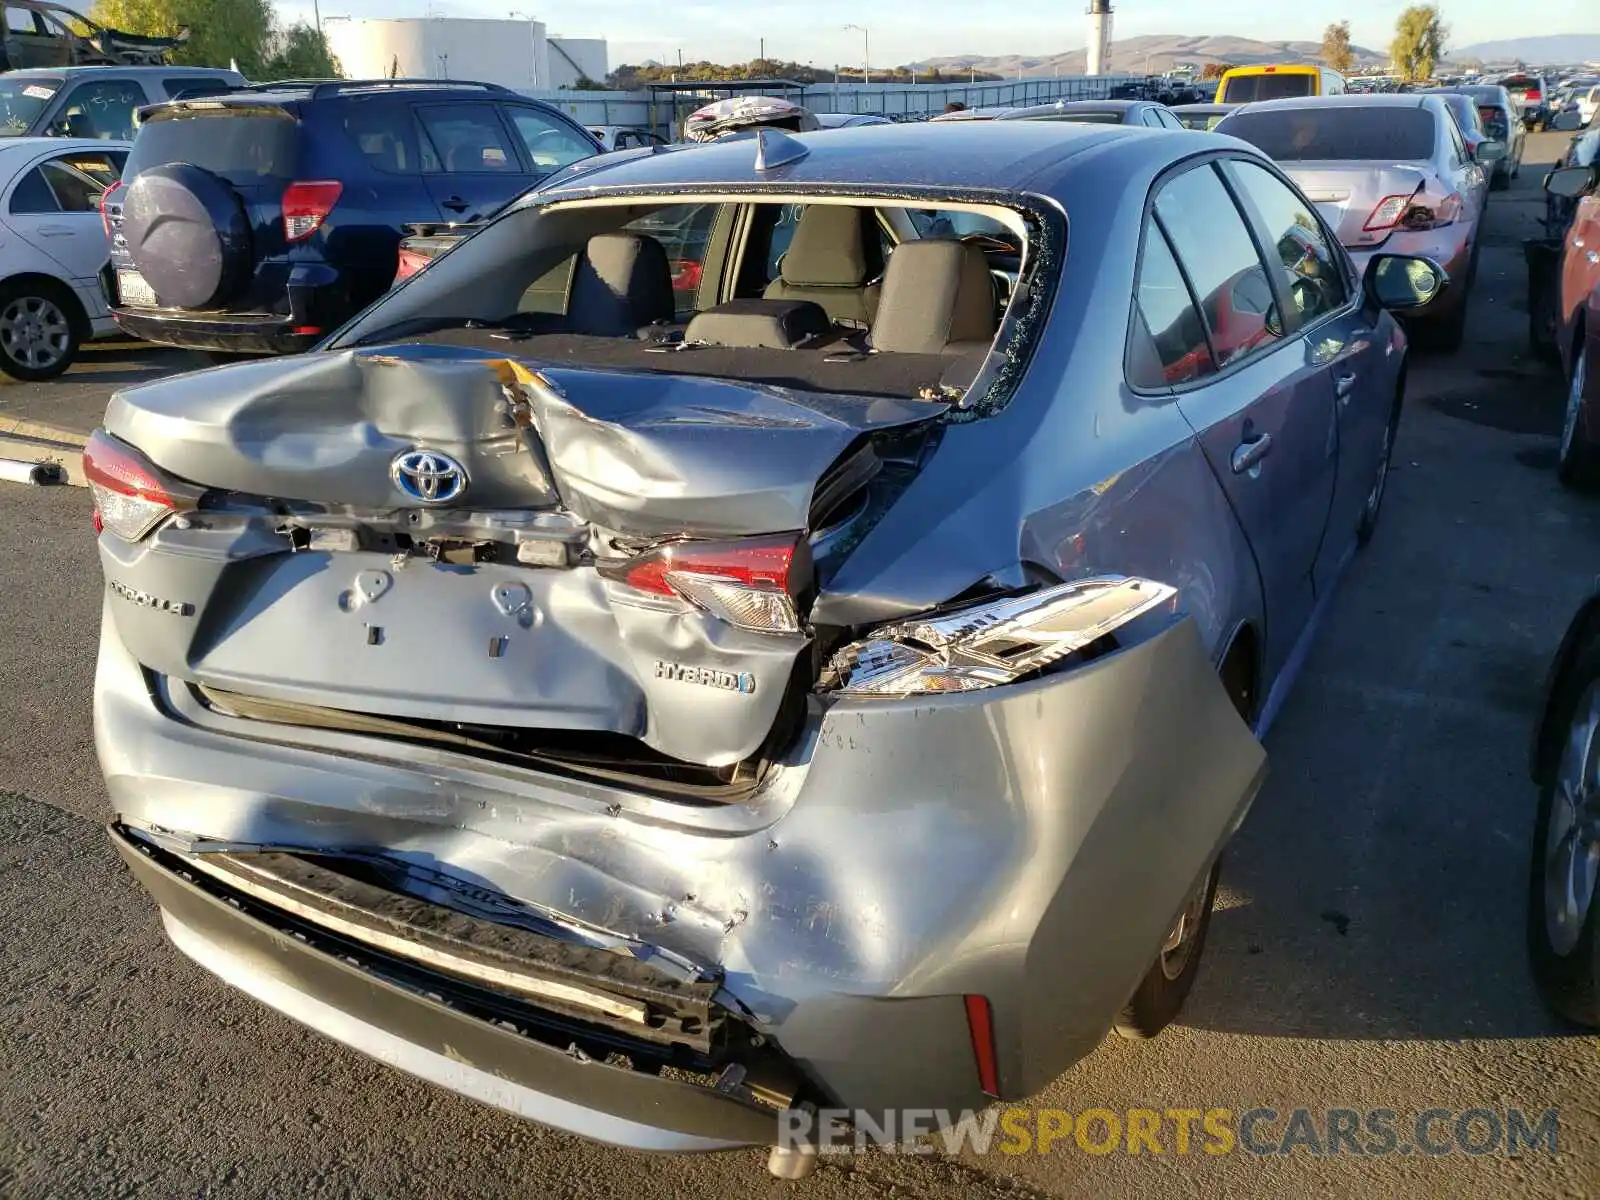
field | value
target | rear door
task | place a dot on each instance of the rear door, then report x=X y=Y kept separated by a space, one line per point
x=1266 y=418
x=470 y=163
x=54 y=206
x=1340 y=336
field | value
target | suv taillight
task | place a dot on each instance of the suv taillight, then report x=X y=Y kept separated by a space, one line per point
x=411 y=261
x=105 y=198
x=306 y=205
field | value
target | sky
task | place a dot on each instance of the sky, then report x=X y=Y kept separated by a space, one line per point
x=906 y=30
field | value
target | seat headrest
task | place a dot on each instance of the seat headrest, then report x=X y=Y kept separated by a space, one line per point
x=827 y=249
x=621 y=282
x=937 y=292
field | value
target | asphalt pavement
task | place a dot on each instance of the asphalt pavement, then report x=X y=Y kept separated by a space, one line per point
x=1368 y=951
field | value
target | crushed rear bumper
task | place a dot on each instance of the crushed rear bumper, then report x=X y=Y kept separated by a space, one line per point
x=1066 y=821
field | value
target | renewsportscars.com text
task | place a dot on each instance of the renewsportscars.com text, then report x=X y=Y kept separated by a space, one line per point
x=1374 y=1132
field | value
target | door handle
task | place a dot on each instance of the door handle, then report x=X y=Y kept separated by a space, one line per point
x=1343 y=386
x=1247 y=454
x=454 y=203
x=56 y=231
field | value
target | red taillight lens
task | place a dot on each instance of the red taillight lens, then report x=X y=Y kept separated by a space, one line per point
x=980 y=1024
x=105 y=198
x=410 y=263
x=751 y=582
x=1533 y=94
x=1388 y=212
x=131 y=497
x=306 y=206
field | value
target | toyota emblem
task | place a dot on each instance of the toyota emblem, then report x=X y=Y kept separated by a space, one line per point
x=428 y=476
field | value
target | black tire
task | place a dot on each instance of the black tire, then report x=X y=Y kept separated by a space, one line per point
x=1500 y=181
x=1161 y=993
x=1577 y=457
x=41 y=329
x=1374 y=506
x=1565 y=955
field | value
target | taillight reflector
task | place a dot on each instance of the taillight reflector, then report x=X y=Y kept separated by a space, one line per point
x=105 y=198
x=980 y=1025
x=306 y=205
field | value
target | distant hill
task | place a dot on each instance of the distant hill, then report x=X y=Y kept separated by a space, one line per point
x=1556 y=48
x=1153 y=53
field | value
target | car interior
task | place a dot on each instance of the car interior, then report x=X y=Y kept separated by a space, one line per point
x=820 y=296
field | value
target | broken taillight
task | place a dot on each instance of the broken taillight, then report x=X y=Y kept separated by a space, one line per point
x=131 y=495
x=753 y=583
x=306 y=205
x=993 y=643
x=1414 y=211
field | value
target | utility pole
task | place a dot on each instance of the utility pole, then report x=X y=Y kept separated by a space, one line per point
x=866 y=51
x=763 y=54
x=533 y=45
x=316 y=14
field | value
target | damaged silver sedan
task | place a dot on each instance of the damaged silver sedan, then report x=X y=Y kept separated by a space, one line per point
x=776 y=623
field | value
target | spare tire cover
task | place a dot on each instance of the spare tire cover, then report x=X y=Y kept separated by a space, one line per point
x=187 y=232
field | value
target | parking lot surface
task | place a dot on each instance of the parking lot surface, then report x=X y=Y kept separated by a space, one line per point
x=1368 y=952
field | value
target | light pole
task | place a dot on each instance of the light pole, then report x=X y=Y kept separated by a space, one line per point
x=533 y=46
x=866 y=51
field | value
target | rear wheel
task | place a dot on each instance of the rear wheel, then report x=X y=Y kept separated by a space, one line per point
x=39 y=323
x=1161 y=993
x=1448 y=333
x=1578 y=461
x=1563 y=928
x=1374 y=505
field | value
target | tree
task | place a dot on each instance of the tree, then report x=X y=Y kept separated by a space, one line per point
x=1336 y=50
x=1419 y=41
x=1215 y=70
x=300 y=52
x=219 y=30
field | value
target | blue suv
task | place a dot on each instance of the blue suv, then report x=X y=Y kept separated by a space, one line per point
x=259 y=220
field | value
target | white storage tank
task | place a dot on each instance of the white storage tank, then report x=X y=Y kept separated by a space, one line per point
x=513 y=54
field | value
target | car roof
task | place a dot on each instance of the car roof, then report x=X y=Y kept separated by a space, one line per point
x=1204 y=108
x=74 y=72
x=58 y=143
x=1005 y=156
x=1347 y=100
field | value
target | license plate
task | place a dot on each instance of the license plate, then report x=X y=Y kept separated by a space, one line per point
x=134 y=291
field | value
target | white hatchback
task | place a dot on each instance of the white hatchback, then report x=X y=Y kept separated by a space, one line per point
x=52 y=248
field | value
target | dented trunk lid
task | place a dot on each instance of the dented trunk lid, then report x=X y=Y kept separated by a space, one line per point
x=249 y=604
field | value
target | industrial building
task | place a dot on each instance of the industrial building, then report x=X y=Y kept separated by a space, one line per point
x=514 y=54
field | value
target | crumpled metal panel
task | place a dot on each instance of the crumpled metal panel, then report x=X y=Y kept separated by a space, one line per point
x=636 y=454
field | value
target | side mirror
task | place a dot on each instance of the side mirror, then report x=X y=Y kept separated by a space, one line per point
x=1572 y=182
x=1491 y=151
x=1401 y=281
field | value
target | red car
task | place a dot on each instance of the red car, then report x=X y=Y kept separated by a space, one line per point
x=1578 y=326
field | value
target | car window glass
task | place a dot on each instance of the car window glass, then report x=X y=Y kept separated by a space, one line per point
x=1211 y=241
x=1458 y=144
x=385 y=134
x=684 y=230
x=76 y=191
x=101 y=109
x=466 y=138
x=551 y=144
x=33 y=194
x=105 y=168
x=21 y=20
x=1169 y=341
x=1313 y=277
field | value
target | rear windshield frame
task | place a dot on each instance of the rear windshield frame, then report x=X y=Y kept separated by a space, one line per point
x=1393 y=132
x=1016 y=342
x=248 y=148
